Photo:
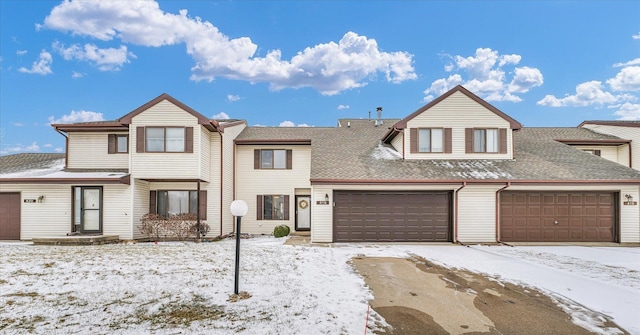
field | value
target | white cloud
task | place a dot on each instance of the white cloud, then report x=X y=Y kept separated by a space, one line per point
x=628 y=79
x=21 y=52
x=42 y=66
x=589 y=93
x=17 y=124
x=341 y=107
x=48 y=145
x=109 y=59
x=221 y=116
x=58 y=150
x=77 y=116
x=636 y=36
x=329 y=67
x=232 y=98
x=34 y=147
x=486 y=76
x=287 y=123
x=629 y=63
x=628 y=111
x=76 y=75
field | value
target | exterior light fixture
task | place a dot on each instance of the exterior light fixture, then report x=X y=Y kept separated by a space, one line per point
x=239 y=209
x=326 y=198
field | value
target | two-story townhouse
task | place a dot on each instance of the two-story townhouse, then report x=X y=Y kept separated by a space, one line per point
x=456 y=170
x=163 y=157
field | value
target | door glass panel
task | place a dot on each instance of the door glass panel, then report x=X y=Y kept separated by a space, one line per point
x=91 y=199
x=77 y=205
x=91 y=220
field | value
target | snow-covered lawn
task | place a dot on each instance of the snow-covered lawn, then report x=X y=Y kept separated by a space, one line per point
x=172 y=288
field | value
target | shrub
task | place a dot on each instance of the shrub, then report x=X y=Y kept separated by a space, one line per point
x=281 y=231
x=177 y=226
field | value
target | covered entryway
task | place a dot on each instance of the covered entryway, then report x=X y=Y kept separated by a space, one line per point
x=9 y=216
x=391 y=216
x=558 y=216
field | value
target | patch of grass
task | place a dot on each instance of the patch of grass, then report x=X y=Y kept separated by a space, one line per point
x=3 y=282
x=49 y=264
x=23 y=294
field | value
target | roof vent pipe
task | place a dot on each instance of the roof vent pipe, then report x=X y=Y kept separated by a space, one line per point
x=379 y=120
x=348 y=124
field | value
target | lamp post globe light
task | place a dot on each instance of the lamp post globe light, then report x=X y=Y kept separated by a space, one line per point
x=239 y=209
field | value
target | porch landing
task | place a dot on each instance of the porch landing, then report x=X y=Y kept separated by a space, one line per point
x=77 y=240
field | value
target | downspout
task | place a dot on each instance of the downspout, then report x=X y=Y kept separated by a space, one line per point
x=66 y=147
x=498 y=211
x=455 y=226
x=233 y=182
x=221 y=180
x=630 y=161
x=198 y=212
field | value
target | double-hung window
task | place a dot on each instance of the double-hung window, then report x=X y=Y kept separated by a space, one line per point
x=167 y=139
x=485 y=140
x=273 y=159
x=273 y=207
x=431 y=140
x=118 y=144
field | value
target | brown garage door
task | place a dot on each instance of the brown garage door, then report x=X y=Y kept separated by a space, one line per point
x=558 y=217
x=371 y=216
x=9 y=216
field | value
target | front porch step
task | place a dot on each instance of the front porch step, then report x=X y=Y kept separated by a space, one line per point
x=77 y=240
x=300 y=233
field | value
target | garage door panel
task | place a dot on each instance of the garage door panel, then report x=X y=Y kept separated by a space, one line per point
x=392 y=216
x=564 y=217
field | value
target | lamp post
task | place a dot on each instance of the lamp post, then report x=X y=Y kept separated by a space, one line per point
x=239 y=209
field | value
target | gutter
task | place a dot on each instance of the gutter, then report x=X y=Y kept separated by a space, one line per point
x=455 y=227
x=498 y=211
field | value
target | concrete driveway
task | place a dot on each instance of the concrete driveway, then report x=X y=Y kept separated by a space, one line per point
x=418 y=297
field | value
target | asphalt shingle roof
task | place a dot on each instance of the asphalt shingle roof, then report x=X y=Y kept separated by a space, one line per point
x=28 y=161
x=356 y=153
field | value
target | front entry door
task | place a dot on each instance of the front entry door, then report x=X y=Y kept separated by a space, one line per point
x=88 y=209
x=303 y=212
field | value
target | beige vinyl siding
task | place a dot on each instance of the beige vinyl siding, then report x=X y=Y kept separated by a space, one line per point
x=627 y=133
x=397 y=143
x=477 y=213
x=458 y=112
x=250 y=183
x=50 y=218
x=166 y=165
x=140 y=205
x=322 y=215
x=215 y=184
x=116 y=211
x=90 y=151
x=205 y=153
x=629 y=214
x=228 y=153
x=623 y=155
x=606 y=152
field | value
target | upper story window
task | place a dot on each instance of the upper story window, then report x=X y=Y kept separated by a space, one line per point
x=164 y=139
x=118 y=144
x=267 y=159
x=431 y=140
x=425 y=140
x=485 y=140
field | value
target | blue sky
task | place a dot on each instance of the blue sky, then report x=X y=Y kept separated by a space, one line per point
x=308 y=63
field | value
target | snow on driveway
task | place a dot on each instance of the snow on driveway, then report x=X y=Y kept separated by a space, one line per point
x=170 y=288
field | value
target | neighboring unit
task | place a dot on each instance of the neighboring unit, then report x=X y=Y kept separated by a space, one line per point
x=456 y=170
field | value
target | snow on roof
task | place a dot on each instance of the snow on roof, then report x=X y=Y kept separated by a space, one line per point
x=56 y=171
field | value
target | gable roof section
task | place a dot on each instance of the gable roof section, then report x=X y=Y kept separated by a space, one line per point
x=203 y=120
x=402 y=124
x=617 y=123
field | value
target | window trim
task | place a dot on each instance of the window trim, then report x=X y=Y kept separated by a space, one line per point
x=431 y=140
x=141 y=140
